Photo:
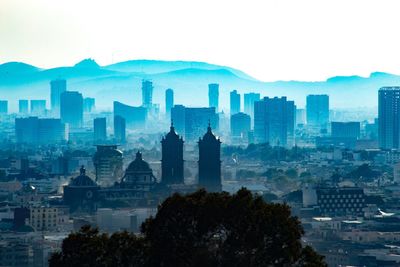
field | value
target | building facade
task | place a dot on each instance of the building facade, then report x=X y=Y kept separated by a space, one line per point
x=71 y=109
x=234 y=102
x=213 y=95
x=172 y=170
x=318 y=111
x=389 y=117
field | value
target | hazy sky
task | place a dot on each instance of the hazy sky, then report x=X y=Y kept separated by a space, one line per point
x=268 y=39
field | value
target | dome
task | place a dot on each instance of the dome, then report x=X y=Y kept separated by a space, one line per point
x=138 y=165
x=82 y=179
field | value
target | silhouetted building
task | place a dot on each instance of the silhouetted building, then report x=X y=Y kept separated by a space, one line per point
x=119 y=129
x=23 y=106
x=389 y=117
x=147 y=93
x=57 y=87
x=346 y=129
x=81 y=194
x=249 y=100
x=235 y=102
x=213 y=95
x=39 y=131
x=169 y=102
x=38 y=107
x=3 y=106
x=172 y=158
x=71 y=108
x=89 y=104
x=135 y=117
x=240 y=125
x=210 y=162
x=318 y=111
x=139 y=176
x=274 y=120
x=108 y=164
x=99 y=129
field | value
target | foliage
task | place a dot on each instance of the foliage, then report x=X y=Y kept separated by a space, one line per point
x=200 y=229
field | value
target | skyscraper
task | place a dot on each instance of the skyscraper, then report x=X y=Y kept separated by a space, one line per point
x=3 y=106
x=235 y=102
x=108 y=164
x=240 y=125
x=119 y=129
x=210 y=162
x=57 y=87
x=213 y=95
x=274 y=120
x=38 y=107
x=39 y=131
x=99 y=129
x=346 y=129
x=71 y=108
x=196 y=118
x=169 y=102
x=135 y=117
x=178 y=117
x=172 y=158
x=23 y=106
x=389 y=117
x=249 y=100
x=89 y=104
x=318 y=111
x=147 y=93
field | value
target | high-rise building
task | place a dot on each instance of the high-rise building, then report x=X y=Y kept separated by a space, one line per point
x=39 y=131
x=240 y=125
x=318 y=111
x=23 y=106
x=213 y=95
x=147 y=93
x=389 y=117
x=172 y=158
x=108 y=164
x=119 y=129
x=3 y=106
x=135 y=117
x=99 y=129
x=38 y=107
x=178 y=117
x=169 y=102
x=345 y=129
x=196 y=119
x=71 y=108
x=274 y=120
x=89 y=104
x=210 y=162
x=57 y=87
x=300 y=116
x=235 y=102
x=249 y=100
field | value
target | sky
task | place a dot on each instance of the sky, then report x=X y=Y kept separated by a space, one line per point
x=271 y=40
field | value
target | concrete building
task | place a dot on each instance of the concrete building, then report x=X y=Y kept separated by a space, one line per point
x=169 y=102
x=249 y=100
x=234 y=102
x=119 y=129
x=389 y=117
x=147 y=93
x=3 y=107
x=38 y=107
x=135 y=117
x=240 y=125
x=89 y=104
x=23 y=106
x=99 y=130
x=345 y=129
x=71 y=109
x=213 y=96
x=108 y=164
x=318 y=111
x=39 y=131
x=274 y=120
x=57 y=87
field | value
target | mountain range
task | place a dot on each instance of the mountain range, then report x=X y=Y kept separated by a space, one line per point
x=122 y=82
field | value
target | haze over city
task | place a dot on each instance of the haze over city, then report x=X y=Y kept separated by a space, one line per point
x=306 y=40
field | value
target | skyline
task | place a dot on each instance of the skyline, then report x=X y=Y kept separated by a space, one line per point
x=264 y=42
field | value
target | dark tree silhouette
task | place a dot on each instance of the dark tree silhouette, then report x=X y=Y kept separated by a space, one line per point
x=200 y=229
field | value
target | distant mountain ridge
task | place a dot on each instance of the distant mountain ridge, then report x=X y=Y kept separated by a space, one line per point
x=122 y=81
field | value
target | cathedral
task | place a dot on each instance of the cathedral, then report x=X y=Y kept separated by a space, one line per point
x=139 y=187
x=210 y=162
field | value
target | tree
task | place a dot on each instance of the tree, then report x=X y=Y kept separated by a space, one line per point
x=199 y=229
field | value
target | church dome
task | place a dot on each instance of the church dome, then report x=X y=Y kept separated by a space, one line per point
x=82 y=179
x=138 y=165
